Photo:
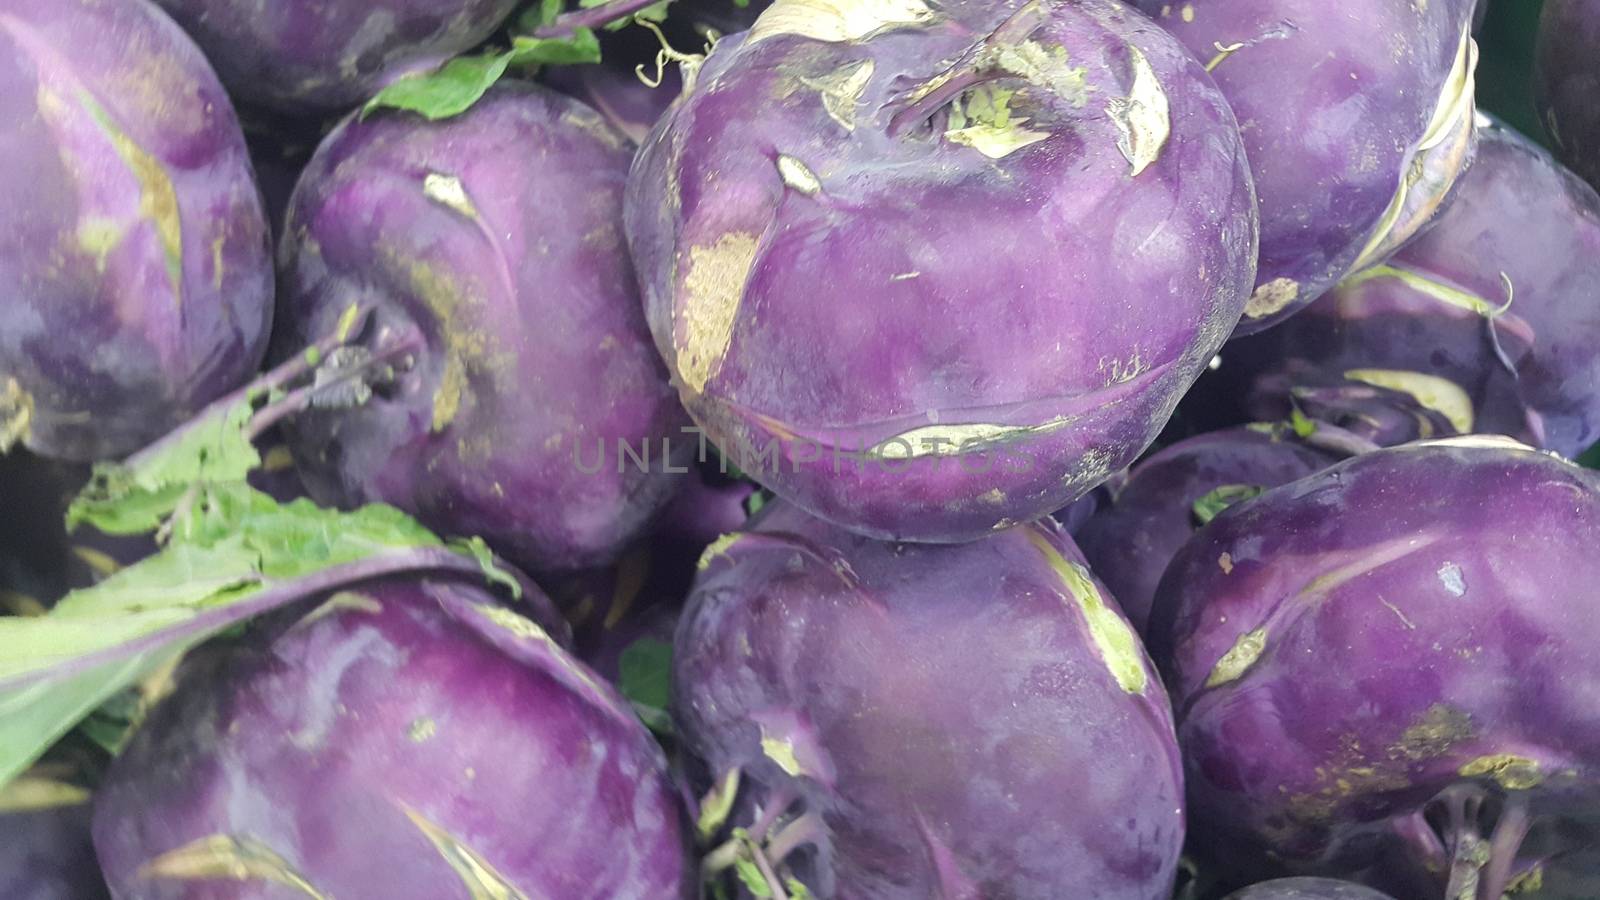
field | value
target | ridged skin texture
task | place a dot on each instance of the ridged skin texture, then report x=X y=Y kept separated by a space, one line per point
x=1566 y=81
x=832 y=267
x=1333 y=100
x=321 y=56
x=1343 y=649
x=1517 y=217
x=956 y=724
x=1307 y=889
x=398 y=743
x=492 y=242
x=1129 y=541
x=135 y=259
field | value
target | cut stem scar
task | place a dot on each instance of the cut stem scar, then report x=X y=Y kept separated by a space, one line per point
x=977 y=66
x=286 y=373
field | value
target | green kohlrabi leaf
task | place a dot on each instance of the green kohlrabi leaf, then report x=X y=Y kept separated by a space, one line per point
x=644 y=675
x=234 y=553
x=1301 y=424
x=581 y=47
x=655 y=12
x=750 y=876
x=1207 y=507
x=447 y=91
x=134 y=498
x=453 y=88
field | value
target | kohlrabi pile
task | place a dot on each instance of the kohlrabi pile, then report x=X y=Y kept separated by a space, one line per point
x=789 y=449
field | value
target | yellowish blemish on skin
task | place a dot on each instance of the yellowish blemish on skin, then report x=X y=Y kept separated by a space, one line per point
x=216 y=261
x=480 y=878
x=158 y=199
x=1271 y=297
x=1112 y=635
x=712 y=291
x=1225 y=563
x=717 y=548
x=421 y=730
x=837 y=21
x=798 y=175
x=1239 y=658
x=1512 y=772
x=448 y=191
x=1438 y=394
x=466 y=347
x=1187 y=13
x=224 y=856
x=1142 y=118
x=98 y=236
x=1438 y=729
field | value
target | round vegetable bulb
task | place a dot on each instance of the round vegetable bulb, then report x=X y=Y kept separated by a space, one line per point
x=135 y=259
x=1169 y=495
x=914 y=721
x=960 y=271
x=1395 y=658
x=528 y=405
x=1566 y=80
x=1358 y=118
x=405 y=739
x=1307 y=889
x=1491 y=317
x=320 y=56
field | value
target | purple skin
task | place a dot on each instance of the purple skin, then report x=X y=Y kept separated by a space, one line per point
x=1432 y=310
x=917 y=721
x=940 y=330
x=400 y=743
x=1395 y=657
x=46 y=854
x=530 y=358
x=1308 y=889
x=1566 y=80
x=1129 y=542
x=134 y=252
x=1338 y=110
x=322 y=56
